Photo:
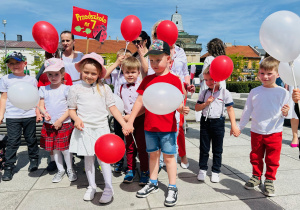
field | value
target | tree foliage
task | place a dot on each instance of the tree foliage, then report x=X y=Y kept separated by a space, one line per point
x=37 y=63
x=238 y=65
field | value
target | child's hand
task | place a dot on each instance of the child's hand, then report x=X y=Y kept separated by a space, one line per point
x=39 y=118
x=79 y=124
x=296 y=95
x=120 y=59
x=1 y=119
x=127 y=129
x=191 y=88
x=183 y=109
x=209 y=100
x=47 y=116
x=126 y=117
x=57 y=125
x=285 y=109
x=235 y=131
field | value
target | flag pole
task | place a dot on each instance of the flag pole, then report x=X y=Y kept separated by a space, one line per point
x=87 y=46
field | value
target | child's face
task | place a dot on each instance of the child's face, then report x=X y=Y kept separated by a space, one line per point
x=89 y=73
x=210 y=82
x=268 y=78
x=131 y=75
x=67 y=41
x=55 y=77
x=17 y=67
x=159 y=63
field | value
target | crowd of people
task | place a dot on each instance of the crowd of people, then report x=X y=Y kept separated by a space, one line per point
x=75 y=99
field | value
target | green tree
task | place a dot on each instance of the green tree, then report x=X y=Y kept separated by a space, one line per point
x=238 y=65
x=38 y=60
x=3 y=66
x=109 y=58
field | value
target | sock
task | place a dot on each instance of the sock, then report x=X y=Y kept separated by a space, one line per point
x=172 y=185
x=58 y=160
x=68 y=158
x=106 y=172
x=90 y=170
x=153 y=181
x=52 y=158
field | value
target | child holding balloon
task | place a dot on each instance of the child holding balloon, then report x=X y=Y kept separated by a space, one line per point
x=131 y=68
x=160 y=130
x=212 y=102
x=266 y=104
x=18 y=119
x=57 y=128
x=87 y=107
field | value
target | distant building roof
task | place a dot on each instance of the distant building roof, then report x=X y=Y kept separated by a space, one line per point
x=246 y=51
x=22 y=44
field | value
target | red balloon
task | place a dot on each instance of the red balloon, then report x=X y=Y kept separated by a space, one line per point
x=109 y=148
x=167 y=31
x=221 y=68
x=131 y=28
x=46 y=36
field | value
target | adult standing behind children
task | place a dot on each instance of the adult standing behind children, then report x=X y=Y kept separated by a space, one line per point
x=18 y=119
x=266 y=104
x=70 y=56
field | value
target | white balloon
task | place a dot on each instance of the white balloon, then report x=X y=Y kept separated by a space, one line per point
x=162 y=98
x=285 y=72
x=23 y=95
x=280 y=35
x=119 y=104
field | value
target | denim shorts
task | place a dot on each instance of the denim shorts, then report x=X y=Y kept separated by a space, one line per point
x=166 y=141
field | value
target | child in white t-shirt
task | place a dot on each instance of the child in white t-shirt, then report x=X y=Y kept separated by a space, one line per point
x=57 y=128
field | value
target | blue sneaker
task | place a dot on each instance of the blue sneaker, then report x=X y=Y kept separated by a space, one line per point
x=130 y=174
x=118 y=167
x=144 y=179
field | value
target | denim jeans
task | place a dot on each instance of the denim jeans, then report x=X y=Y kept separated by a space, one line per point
x=211 y=130
x=14 y=132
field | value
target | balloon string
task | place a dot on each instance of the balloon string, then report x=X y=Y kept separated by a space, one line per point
x=212 y=94
x=44 y=114
x=295 y=83
x=127 y=43
x=134 y=140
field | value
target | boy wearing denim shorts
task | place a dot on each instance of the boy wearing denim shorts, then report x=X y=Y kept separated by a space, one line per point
x=160 y=130
x=18 y=119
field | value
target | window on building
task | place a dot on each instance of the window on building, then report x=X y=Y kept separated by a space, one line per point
x=177 y=22
x=37 y=58
x=105 y=60
x=246 y=65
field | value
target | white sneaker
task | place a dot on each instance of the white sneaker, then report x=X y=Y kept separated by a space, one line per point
x=89 y=194
x=201 y=175
x=215 y=177
x=58 y=176
x=184 y=166
x=107 y=196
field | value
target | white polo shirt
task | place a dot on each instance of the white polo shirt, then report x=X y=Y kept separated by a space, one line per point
x=222 y=99
x=128 y=96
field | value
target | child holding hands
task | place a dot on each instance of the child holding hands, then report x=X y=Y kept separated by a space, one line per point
x=266 y=105
x=57 y=128
x=160 y=130
x=87 y=107
x=212 y=123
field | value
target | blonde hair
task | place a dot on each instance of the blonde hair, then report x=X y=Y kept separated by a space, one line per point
x=131 y=63
x=153 y=32
x=99 y=70
x=121 y=52
x=269 y=64
x=206 y=70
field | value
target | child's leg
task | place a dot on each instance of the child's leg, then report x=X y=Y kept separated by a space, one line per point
x=181 y=138
x=58 y=160
x=273 y=145
x=217 y=133
x=139 y=135
x=68 y=158
x=171 y=168
x=107 y=175
x=257 y=154
x=154 y=164
x=205 y=138
x=130 y=152
x=29 y=132
x=90 y=170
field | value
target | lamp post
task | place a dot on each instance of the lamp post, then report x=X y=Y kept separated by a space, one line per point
x=4 y=23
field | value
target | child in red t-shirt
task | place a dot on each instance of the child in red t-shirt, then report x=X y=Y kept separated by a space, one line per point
x=160 y=130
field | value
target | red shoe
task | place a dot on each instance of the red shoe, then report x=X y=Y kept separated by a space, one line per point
x=294 y=145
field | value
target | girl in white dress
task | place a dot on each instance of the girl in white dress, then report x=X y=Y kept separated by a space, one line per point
x=87 y=103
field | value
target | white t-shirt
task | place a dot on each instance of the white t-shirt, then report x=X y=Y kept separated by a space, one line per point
x=264 y=106
x=70 y=67
x=115 y=81
x=55 y=101
x=11 y=111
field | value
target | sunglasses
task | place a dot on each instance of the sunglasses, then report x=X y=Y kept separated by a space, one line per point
x=137 y=41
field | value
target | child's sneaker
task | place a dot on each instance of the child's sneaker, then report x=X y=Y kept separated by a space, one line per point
x=215 y=178
x=130 y=174
x=107 y=196
x=118 y=167
x=58 y=176
x=201 y=175
x=71 y=175
x=253 y=182
x=147 y=190
x=144 y=179
x=269 y=188
x=89 y=194
x=171 y=199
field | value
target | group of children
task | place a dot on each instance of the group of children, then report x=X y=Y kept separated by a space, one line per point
x=86 y=105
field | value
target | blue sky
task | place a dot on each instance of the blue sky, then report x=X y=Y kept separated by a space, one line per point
x=231 y=20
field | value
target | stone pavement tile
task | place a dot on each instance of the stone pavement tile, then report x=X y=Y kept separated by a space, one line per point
x=191 y=191
x=287 y=202
x=261 y=203
x=290 y=152
x=22 y=180
x=233 y=187
x=10 y=200
x=234 y=141
x=236 y=151
x=237 y=165
x=72 y=198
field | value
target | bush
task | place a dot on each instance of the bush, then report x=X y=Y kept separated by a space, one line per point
x=242 y=87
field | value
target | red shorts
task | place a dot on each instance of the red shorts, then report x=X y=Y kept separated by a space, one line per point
x=52 y=139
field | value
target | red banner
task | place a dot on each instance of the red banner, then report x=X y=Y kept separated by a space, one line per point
x=89 y=24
